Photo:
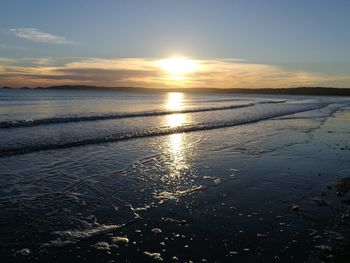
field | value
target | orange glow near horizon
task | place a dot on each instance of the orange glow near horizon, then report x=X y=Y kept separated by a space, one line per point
x=177 y=67
x=179 y=72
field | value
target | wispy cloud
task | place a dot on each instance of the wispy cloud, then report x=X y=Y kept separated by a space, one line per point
x=7 y=61
x=10 y=47
x=145 y=72
x=36 y=35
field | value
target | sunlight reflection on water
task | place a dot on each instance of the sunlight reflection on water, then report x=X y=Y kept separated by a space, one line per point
x=174 y=101
x=176 y=144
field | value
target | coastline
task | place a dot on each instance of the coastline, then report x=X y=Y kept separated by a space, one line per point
x=309 y=91
x=281 y=205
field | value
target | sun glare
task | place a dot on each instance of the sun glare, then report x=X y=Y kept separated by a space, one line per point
x=174 y=101
x=178 y=67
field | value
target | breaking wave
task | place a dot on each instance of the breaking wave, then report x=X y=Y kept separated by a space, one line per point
x=159 y=131
x=69 y=119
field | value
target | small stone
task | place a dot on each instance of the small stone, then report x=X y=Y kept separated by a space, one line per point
x=295 y=207
x=156 y=231
x=155 y=256
x=23 y=252
x=102 y=246
x=120 y=240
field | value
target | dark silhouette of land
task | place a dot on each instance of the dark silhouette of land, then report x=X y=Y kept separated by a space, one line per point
x=326 y=91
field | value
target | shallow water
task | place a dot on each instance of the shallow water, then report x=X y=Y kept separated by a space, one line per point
x=76 y=166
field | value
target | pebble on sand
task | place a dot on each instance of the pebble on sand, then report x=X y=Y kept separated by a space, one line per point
x=23 y=252
x=156 y=231
x=102 y=246
x=120 y=240
x=295 y=207
x=155 y=256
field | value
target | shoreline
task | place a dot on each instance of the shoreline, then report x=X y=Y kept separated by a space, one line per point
x=280 y=206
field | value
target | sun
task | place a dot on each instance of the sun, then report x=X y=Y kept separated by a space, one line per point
x=178 y=67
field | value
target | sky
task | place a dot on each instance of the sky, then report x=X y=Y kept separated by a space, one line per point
x=182 y=43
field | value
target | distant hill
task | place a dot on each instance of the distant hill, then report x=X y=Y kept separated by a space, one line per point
x=298 y=91
x=326 y=91
x=87 y=87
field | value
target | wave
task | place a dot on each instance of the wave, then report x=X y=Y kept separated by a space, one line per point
x=70 y=119
x=156 y=132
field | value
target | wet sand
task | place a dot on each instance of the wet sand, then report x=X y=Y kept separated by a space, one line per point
x=290 y=205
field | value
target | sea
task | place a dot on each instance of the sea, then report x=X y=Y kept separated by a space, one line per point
x=77 y=166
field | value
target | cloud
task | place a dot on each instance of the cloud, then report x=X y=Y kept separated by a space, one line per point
x=7 y=60
x=225 y=74
x=10 y=47
x=36 y=35
x=147 y=73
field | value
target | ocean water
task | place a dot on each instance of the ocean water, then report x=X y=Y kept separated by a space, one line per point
x=32 y=121
x=78 y=164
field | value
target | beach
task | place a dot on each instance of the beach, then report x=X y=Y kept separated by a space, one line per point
x=173 y=177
